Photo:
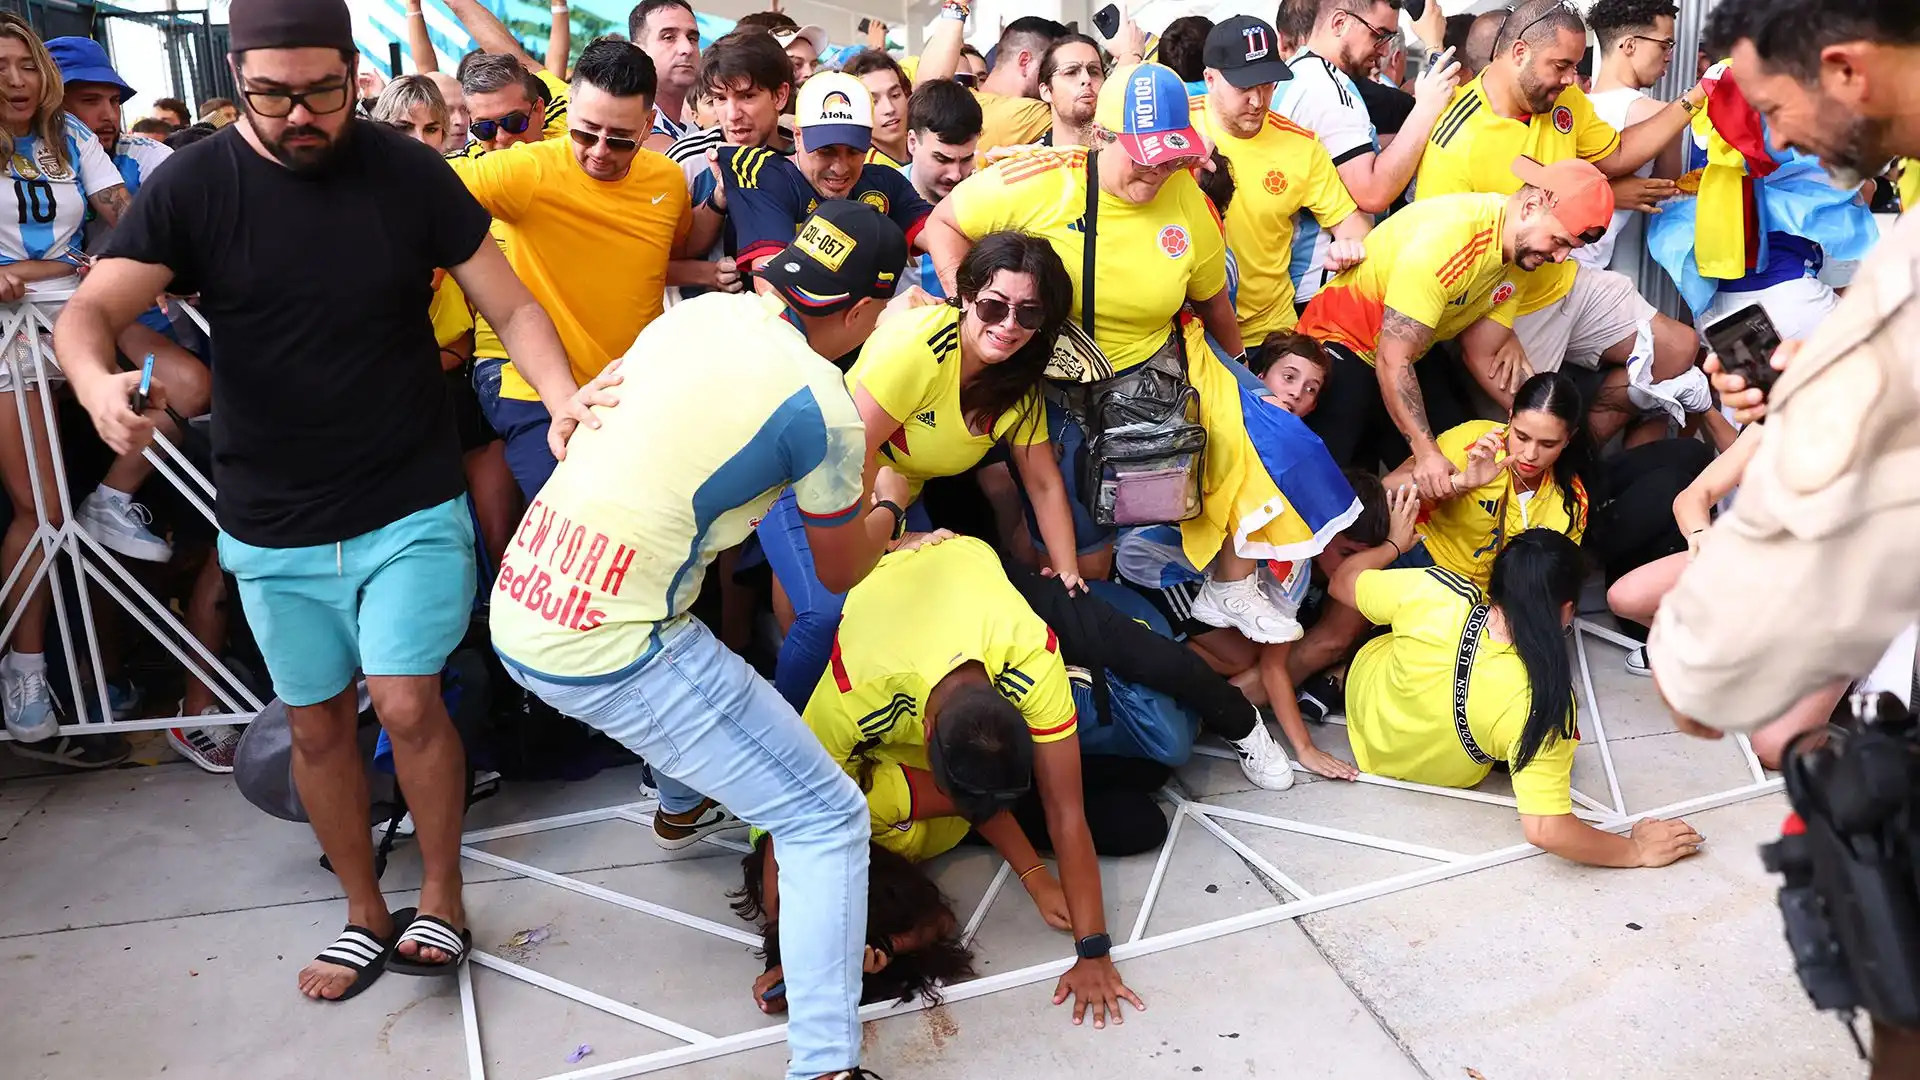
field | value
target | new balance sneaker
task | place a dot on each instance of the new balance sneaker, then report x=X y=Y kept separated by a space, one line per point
x=211 y=748
x=120 y=524
x=28 y=703
x=1637 y=663
x=1262 y=759
x=77 y=751
x=675 y=831
x=1243 y=606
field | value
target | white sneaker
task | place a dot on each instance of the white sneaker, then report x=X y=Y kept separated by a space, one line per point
x=1262 y=759
x=211 y=748
x=28 y=704
x=121 y=525
x=1241 y=605
x=1637 y=663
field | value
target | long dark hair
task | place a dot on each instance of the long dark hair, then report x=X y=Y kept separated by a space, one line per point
x=901 y=898
x=999 y=387
x=1553 y=393
x=1535 y=576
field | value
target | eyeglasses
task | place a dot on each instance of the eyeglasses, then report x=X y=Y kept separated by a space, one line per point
x=993 y=312
x=515 y=123
x=274 y=104
x=587 y=140
x=1666 y=44
x=1379 y=36
x=1554 y=12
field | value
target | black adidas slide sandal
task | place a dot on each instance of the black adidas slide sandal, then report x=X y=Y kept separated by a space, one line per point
x=361 y=950
x=431 y=932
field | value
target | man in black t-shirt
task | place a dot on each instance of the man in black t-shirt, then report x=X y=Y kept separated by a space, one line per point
x=341 y=504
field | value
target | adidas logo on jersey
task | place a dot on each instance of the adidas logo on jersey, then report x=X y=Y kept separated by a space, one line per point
x=925 y=417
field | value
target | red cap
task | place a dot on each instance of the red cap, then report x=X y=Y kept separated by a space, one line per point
x=1583 y=199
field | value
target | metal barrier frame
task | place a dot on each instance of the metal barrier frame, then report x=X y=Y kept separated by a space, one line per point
x=25 y=329
x=1292 y=900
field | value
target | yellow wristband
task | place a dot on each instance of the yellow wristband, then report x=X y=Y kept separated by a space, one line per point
x=1030 y=870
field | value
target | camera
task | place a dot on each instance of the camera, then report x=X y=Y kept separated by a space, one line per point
x=1851 y=895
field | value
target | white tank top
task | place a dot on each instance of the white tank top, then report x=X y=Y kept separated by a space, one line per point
x=1611 y=106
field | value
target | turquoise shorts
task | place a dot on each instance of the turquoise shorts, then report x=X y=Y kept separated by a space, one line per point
x=394 y=601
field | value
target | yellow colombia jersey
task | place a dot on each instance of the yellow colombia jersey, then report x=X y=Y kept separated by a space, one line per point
x=877 y=156
x=593 y=252
x=1400 y=693
x=1152 y=257
x=452 y=319
x=872 y=698
x=1011 y=121
x=1472 y=149
x=1464 y=533
x=911 y=366
x=1438 y=261
x=613 y=552
x=1909 y=185
x=1277 y=174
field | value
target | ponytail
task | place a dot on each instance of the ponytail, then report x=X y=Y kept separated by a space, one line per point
x=1535 y=576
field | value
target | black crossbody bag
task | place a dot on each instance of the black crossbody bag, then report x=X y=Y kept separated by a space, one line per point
x=1145 y=456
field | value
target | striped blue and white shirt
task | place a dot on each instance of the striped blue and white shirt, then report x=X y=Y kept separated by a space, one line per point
x=49 y=195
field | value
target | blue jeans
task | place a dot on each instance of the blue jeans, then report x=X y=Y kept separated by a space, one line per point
x=816 y=609
x=522 y=425
x=698 y=713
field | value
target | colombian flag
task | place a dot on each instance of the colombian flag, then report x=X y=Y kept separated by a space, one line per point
x=1728 y=240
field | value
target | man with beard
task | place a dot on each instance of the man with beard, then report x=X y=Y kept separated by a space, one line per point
x=1071 y=76
x=341 y=500
x=667 y=31
x=1345 y=47
x=765 y=197
x=1802 y=585
x=943 y=130
x=1439 y=269
x=1526 y=101
x=1280 y=169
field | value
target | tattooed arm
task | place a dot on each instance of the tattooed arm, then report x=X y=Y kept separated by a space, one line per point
x=111 y=203
x=1402 y=341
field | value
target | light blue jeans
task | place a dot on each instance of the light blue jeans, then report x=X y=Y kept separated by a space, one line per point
x=696 y=712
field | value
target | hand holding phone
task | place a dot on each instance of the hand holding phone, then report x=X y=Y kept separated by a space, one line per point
x=141 y=395
x=1745 y=342
x=1107 y=21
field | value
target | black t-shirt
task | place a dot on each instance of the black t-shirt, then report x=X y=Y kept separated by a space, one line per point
x=1387 y=106
x=331 y=418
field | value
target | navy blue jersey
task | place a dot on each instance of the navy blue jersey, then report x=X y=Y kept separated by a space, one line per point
x=768 y=197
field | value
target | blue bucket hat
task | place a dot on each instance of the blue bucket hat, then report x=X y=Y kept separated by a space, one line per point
x=84 y=60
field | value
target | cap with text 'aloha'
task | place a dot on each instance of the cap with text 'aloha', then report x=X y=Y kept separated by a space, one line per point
x=844 y=252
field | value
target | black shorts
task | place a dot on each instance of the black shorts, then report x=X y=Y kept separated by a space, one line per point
x=468 y=420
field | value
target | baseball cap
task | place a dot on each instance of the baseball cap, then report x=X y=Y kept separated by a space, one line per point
x=289 y=24
x=82 y=59
x=834 y=109
x=844 y=252
x=1146 y=106
x=814 y=35
x=1244 y=50
x=1583 y=199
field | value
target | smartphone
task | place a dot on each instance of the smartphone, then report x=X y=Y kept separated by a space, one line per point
x=864 y=25
x=1415 y=9
x=1745 y=341
x=777 y=990
x=1107 y=21
x=146 y=385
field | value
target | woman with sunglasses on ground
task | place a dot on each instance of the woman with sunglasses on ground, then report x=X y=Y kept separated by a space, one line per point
x=939 y=387
x=1466 y=679
x=1270 y=490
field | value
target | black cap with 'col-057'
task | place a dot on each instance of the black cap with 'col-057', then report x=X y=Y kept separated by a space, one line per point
x=844 y=252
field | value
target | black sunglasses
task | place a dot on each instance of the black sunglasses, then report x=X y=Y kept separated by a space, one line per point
x=515 y=123
x=275 y=104
x=994 y=312
x=587 y=140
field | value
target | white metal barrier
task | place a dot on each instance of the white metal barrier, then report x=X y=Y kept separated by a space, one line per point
x=25 y=333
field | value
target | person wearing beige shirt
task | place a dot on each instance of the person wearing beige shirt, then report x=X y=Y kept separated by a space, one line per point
x=1813 y=573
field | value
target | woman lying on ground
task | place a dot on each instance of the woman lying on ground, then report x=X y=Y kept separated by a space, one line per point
x=1463 y=680
x=913 y=938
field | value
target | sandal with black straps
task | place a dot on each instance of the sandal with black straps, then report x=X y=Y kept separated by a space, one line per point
x=431 y=932
x=361 y=951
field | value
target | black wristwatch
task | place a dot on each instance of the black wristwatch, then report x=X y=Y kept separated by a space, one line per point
x=899 y=516
x=1093 y=947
